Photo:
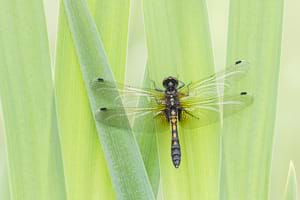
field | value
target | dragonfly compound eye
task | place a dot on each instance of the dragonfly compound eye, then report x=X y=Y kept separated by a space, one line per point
x=170 y=82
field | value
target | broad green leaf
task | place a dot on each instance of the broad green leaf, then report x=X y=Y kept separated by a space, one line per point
x=85 y=171
x=291 y=188
x=178 y=43
x=254 y=35
x=75 y=117
x=32 y=149
x=121 y=151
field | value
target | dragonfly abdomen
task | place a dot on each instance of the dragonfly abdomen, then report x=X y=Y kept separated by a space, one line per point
x=175 y=146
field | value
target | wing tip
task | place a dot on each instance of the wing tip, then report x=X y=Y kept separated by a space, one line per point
x=248 y=96
x=103 y=109
x=241 y=62
x=238 y=62
x=95 y=82
x=99 y=79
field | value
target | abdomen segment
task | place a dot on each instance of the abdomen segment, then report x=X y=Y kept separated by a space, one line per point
x=175 y=146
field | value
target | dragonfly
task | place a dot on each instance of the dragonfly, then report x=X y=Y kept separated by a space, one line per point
x=191 y=105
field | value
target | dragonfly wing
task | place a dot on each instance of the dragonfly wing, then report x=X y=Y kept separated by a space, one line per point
x=146 y=118
x=198 y=112
x=128 y=93
x=220 y=81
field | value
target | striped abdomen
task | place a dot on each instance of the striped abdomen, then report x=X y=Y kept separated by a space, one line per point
x=175 y=146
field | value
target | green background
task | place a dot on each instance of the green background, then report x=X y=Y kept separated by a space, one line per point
x=287 y=136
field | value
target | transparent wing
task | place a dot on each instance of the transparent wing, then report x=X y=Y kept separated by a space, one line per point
x=106 y=88
x=199 y=111
x=116 y=116
x=220 y=81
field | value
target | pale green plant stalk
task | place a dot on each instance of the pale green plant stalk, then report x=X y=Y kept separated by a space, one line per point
x=178 y=44
x=291 y=188
x=33 y=160
x=148 y=145
x=111 y=18
x=119 y=146
x=135 y=69
x=4 y=180
x=85 y=167
x=254 y=35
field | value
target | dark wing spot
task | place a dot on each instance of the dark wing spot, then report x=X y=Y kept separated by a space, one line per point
x=243 y=93
x=238 y=62
x=103 y=109
x=100 y=79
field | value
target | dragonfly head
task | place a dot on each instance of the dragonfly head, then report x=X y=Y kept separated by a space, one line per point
x=170 y=82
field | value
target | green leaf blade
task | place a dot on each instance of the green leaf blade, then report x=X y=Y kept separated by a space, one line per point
x=120 y=148
x=111 y=18
x=34 y=164
x=179 y=45
x=136 y=63
x=84 y=161
x=254 y=35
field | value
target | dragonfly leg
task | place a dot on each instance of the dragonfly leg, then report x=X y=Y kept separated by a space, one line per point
x=179 y=113
x=155 y=86
x=157 y=114
x=160 y=113
x=190 y=114
x=181 y=86
x=188 y=89
x=166 y=113
x=158 y=101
